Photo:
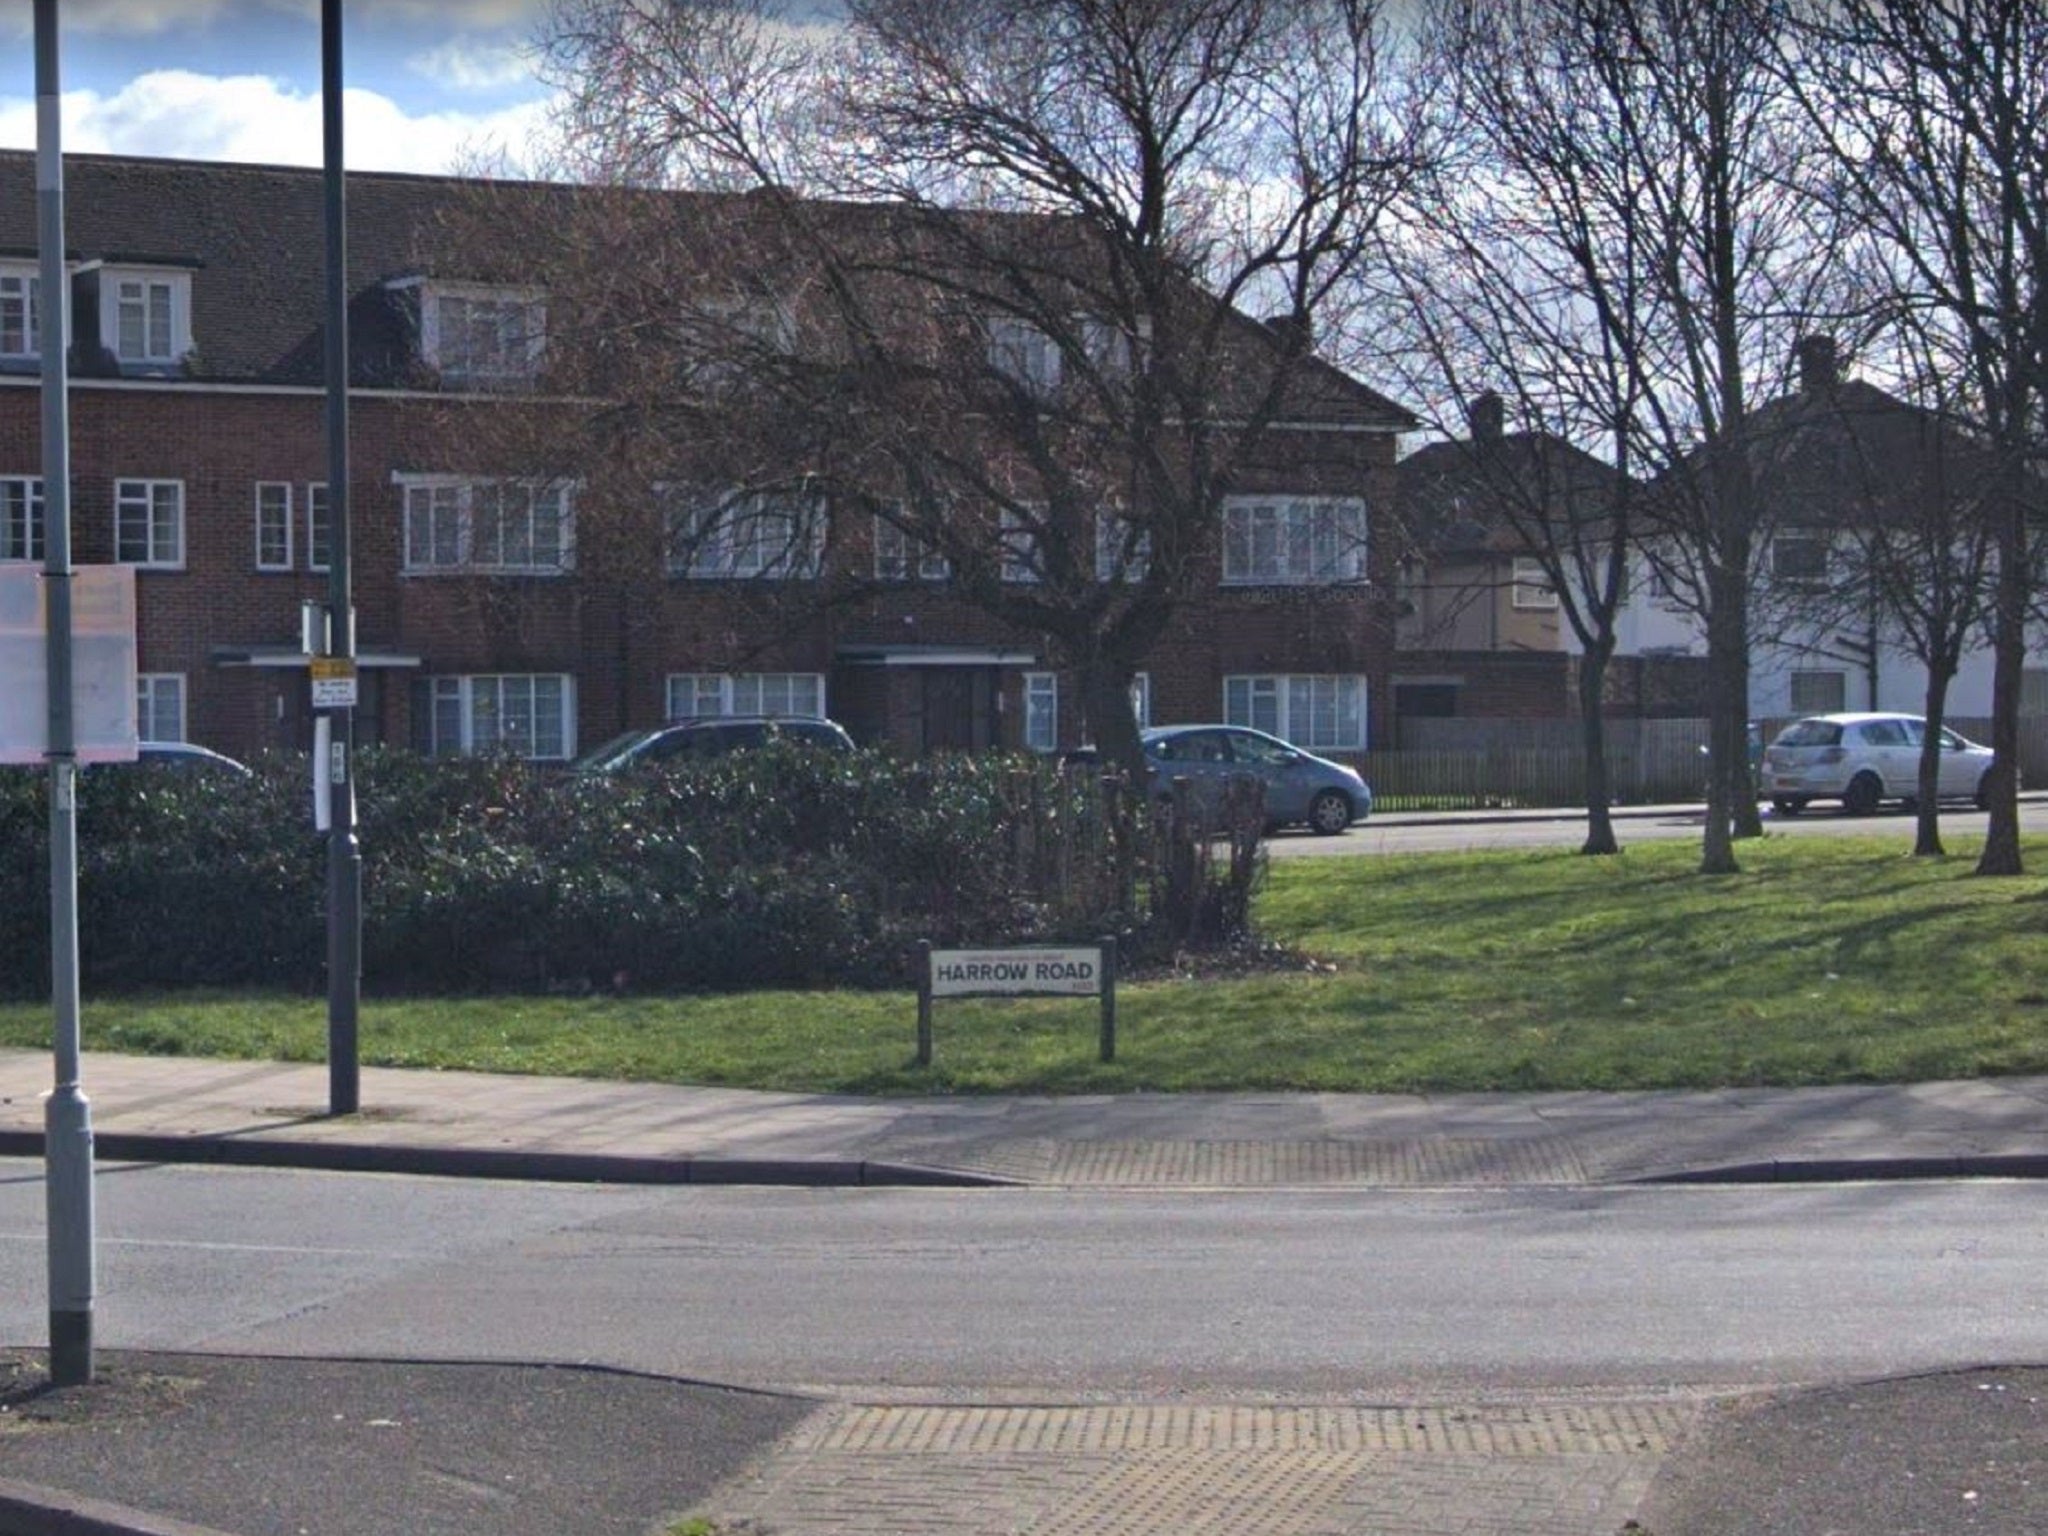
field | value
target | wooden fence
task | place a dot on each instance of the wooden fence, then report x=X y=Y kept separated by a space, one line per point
x=1481 y=764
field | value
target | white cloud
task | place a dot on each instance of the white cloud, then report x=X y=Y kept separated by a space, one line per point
x=474 y=66
x=180 y=114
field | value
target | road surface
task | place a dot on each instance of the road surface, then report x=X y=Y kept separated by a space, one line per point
x=1357 y=1295
x=1567 y=829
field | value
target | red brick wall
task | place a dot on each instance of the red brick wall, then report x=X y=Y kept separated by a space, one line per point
x=619 y=637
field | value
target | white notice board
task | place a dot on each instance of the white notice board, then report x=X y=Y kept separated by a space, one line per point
x=102 y=663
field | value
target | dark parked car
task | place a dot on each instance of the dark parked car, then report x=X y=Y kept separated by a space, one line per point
x=713 y=736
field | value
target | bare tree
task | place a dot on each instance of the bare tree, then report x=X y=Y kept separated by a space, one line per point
x=1509 y=282
x=1642 y=157
x=992 y=271
x=1909 y=498
x=1936 y=120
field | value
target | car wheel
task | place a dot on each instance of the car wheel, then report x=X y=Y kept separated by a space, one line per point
x=1983 y=795
x=1862 y=795
x=1788 y=807
x=1329 y=813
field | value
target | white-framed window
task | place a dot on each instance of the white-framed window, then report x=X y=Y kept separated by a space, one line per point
x=531 y=715
x=1141 y=699
x=1041 y=711
x=1023 y=353
x=1293 y=540
x=149 y=523
x=21 y=517
x=493 y=527
x=319 y=527
x=1799 y=557
x=146 y=315
x=273 y=525
x=160 y=706
x=693 y=695
x=20 y=317
x=1531 y=586
x=1017 y=539
x=900 y=556
x=720 y=333
x=761 y=535
x=1109 y=347
x=1319 y=712
x=481 y=334
x=1819 y=693
x=1123 y=553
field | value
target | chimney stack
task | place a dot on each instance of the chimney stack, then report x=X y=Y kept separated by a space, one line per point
x=1488 y=416
x=1290 y=330
x=1818 y=370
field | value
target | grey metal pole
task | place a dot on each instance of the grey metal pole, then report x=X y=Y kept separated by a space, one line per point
x=67 y=1117
x=1107 y=977
x=344 y=850
x=924 y=1002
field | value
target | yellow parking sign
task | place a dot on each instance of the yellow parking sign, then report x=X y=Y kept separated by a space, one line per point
x=334 y=681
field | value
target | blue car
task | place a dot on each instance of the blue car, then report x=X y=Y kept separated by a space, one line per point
x=1301 y=788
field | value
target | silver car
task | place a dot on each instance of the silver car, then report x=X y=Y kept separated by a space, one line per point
x=1864 y=759
x=1300 y=787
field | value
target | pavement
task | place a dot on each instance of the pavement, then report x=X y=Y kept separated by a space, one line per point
x=192 y=1445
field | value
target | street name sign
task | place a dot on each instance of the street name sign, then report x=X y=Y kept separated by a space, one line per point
x=1016 y=972
x=1081 y=970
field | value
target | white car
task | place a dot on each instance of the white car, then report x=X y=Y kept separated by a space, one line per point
x=1863 y=759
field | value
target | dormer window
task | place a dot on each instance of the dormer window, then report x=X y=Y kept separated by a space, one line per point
x=480 y=336
x=20 y=299
x=146 y=315
x=1800 y=559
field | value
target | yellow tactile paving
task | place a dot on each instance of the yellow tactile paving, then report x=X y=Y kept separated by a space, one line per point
x=1590 y=1429
x=1577 y=1469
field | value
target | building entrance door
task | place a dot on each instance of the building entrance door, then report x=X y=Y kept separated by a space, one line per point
x=959 y=708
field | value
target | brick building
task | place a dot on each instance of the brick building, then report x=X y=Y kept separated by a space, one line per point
x=488 y=613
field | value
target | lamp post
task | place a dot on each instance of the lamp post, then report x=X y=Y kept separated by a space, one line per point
x=344 y=850
x=67 y=1116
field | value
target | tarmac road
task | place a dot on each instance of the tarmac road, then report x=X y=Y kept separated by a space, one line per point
x=1467 y=831
x=1358 y=1295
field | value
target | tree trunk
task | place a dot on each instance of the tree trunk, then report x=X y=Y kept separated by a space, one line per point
x=1593 y=735
x=1727 y=699
x=2001 y=854
x=1106 y=709
x=1747 y=819
x=1927 y=824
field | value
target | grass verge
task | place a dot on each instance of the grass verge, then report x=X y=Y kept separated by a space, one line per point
x=1824 y=961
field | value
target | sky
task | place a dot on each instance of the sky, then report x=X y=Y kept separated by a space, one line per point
x=431 y=85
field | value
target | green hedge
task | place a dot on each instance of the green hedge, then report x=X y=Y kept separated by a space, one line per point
x=785 y=866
